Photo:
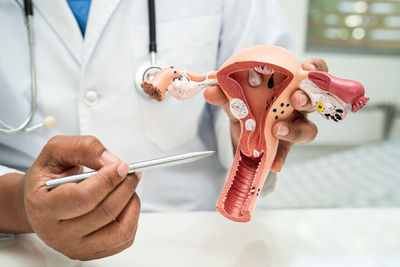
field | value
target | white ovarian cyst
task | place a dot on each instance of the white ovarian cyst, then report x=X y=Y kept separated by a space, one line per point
x=255 y=78
x=256 y=154
x=250 y=124
x=238 y=108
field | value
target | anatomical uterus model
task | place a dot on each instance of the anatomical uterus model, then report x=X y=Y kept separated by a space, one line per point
x=258 y=82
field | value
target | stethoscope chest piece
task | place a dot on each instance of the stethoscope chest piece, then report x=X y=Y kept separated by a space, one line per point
x=146 y=72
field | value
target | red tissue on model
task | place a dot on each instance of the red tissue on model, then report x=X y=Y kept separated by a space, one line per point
x=258 y=82
x=351 y=92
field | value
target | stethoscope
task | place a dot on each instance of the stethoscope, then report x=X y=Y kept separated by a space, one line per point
x=148 y=70
x=49 y=121
x=144 y=73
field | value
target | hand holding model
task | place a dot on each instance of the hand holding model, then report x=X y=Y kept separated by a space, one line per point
x=93 y=219
x=298 y=131
x=258 y=88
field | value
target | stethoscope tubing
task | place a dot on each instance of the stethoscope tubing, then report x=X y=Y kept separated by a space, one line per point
x=28 y=7
x=152 y=31
x=147 y=70
x=23 y=127
x=152 y=26
x=28 y=12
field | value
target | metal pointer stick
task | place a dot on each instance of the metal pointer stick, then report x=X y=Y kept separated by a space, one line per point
x=137 y=167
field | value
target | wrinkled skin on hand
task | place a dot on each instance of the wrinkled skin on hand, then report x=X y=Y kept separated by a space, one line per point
x=91 y=219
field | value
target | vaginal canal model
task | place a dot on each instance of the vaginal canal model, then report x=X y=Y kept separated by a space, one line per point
x=258 y=82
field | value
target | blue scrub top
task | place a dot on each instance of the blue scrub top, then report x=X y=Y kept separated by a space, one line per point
x=80 y=8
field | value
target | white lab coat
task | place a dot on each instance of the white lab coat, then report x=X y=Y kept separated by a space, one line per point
x=192 y=34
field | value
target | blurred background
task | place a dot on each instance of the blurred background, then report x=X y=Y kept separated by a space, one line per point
x=355 y=163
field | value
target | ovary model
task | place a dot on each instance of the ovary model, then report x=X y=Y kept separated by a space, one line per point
x=258 y=82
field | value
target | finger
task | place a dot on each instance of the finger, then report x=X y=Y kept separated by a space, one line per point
x=315 y=64
x=106 y=211
x=84 y=256
x=301 y=102
x=113 y=251
x=117 y=233
x=281 y=155
x=73 y=170
x=215 y=96
x=139 y=175
x=62 y=152
x=228 y=112
x=130 y=215
x=301 y=131
x=75 y=199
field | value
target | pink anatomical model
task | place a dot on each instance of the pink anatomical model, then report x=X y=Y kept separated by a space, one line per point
x=258 y=82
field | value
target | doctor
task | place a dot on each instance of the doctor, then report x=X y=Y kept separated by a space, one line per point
x=85 y=77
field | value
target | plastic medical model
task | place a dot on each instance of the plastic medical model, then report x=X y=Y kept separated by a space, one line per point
x=258 y=82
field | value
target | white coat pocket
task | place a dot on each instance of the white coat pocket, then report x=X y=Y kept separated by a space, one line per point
x=187 y=44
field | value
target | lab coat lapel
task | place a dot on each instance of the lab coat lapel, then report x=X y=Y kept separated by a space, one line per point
x=99 y=14
x=59 y=16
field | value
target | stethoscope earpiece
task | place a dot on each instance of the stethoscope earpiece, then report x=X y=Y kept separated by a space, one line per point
x=48 y=123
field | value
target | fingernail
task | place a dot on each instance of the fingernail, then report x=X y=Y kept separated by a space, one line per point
x=283 y=130
x=302 y=100
x=123 y=169
x=279 y=169
x=108 y=157
x=312 y=67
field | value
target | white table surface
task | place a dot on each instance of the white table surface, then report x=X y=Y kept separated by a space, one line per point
x=325 y=237
x=367 y=176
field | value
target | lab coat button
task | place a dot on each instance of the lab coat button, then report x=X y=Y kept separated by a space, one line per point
x=92 y=97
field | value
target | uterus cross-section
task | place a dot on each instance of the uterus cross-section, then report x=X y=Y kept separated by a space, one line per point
x=258 y=82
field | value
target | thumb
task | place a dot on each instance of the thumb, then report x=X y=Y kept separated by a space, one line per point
x=215 y=96
x=315 y=64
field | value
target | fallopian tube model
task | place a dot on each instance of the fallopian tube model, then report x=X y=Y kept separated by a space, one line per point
x=258 y=82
